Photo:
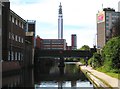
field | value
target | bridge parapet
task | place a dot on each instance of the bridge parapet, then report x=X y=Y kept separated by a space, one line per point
x=65 y=53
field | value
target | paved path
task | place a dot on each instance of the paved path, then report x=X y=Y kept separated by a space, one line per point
x=113 y=82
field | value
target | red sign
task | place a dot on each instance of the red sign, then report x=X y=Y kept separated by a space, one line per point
x=100 y=18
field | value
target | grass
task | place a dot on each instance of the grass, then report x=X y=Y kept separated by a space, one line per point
x=115 y=75
x=112 y=74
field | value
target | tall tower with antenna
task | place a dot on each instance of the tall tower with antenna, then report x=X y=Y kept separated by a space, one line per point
x=60 y=23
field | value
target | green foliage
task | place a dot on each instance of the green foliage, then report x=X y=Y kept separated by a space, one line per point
x=82 y=60
x=90 y=61
x=85 y=47
x=95 y=61
x=111 y=54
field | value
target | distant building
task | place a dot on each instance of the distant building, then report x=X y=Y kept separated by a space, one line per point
x=68 y=47
x=74 y=41
x=105 y=20
x=53 y=44
x=60 y=23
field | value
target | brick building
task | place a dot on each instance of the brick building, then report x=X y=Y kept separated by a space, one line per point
x=50 y=44
x=17 y=45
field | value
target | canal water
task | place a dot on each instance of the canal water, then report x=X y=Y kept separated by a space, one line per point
x=48 y=75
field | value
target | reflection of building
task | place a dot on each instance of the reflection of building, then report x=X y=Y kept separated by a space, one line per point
x=105 y=20
x=74 y=41
x=60 y=23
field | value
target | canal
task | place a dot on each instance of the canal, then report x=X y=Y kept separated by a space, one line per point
x=47 y=74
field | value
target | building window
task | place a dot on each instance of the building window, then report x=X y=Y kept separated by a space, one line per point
x=22 y=26
x=9 y=56
x=12 y=55
x=107 y=14
x=22 y=40
x=9 y=35
x=19 y=23
x=107 y=28
x=12 y=36
x=19 y=38
x=107 y=20
x=15 y=55
x=19 y=56
x=16 y=38
x=16 y=22
x=12 y=19
x=107 y=24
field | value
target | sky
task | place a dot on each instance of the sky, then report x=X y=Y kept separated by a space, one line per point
x=79 y=17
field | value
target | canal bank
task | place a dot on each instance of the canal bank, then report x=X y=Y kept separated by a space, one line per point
x=99 y=79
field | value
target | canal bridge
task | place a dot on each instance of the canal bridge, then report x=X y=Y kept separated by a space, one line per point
x=64 y=53
x=61 y=54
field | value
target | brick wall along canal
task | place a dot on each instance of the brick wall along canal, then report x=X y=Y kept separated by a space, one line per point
x=49 y=75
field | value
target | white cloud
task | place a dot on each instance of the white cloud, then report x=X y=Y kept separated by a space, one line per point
x=80 y=13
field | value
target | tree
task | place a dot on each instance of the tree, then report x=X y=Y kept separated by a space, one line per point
x=111 y=54
x=85 y=47
x=116 y=28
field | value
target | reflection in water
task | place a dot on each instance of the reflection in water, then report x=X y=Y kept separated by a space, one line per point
x=48 y=74
x=58 y=77
x=61 y=70
x=21 y=78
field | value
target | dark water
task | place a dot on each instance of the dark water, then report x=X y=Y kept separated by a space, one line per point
x=48 y=75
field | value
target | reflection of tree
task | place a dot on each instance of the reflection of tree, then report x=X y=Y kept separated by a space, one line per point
x=71 y=69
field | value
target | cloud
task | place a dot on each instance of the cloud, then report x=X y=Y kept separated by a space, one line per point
x=24 y=2
x=79 y=17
